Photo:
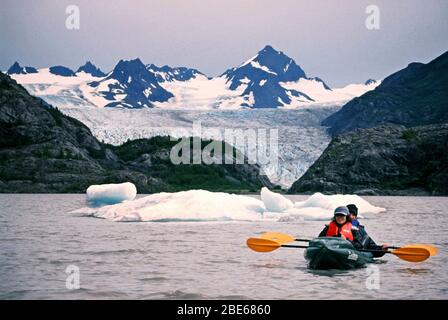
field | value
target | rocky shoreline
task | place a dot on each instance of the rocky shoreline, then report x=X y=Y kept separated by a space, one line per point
x=385 y=160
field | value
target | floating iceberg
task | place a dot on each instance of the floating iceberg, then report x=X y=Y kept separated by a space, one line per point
x=193 y=205
x=275 y=202
x=329 y=203
x=201 y=205
x=111 y=193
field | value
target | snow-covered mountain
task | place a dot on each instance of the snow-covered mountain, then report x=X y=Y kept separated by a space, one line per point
x=270 y=79
x=16 y=68
x=168 y=74
x=91 y=69
x=261 y=76
x=130 y=85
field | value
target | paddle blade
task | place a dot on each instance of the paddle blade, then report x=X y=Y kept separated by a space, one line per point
x=432 y=250
x=411 y=254
x=262 y=245
x=277 y=237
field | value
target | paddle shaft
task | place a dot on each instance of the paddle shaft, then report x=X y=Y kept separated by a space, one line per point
x=285 y=238
x=372 y=250
x=304 y=240
x=304 y=247
x=293 y=246
x=363 y=250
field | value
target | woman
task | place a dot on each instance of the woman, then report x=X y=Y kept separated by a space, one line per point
x=341 y=226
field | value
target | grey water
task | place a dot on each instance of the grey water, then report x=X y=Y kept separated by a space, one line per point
x=40 y=240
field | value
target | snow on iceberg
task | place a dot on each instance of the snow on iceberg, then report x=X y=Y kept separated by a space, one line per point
x=111 y=193
x=201 y=205
x=275 y=202
x=321 y=207
x=192 y=205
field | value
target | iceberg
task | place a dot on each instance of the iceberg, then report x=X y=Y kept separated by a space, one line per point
x=192 y=205
x=329 y=203
x=275 y=202
x=202 y=205
x=111 y=193
x=321 y=207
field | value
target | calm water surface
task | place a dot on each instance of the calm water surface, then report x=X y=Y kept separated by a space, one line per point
x=200 y=260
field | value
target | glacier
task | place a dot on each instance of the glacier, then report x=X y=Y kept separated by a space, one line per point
x=301 y=137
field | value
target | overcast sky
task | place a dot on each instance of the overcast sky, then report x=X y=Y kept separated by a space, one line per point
x=327 y=39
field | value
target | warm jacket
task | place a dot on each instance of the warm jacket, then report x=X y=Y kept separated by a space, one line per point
x=368 y=243
x=355 y=223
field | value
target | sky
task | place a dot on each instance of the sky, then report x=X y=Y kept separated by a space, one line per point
x=328 y=39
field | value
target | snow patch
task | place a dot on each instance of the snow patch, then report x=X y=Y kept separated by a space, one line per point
x=257 y=65
x=316 y=90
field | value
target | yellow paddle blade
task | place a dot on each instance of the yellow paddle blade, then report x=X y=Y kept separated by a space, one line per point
x=262 y=245
x=277 y=237
x=411 y=254
x=432 y=250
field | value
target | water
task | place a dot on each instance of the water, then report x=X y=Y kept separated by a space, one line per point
x=199 y=260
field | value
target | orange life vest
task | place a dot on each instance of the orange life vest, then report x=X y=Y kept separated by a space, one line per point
x=335 y=231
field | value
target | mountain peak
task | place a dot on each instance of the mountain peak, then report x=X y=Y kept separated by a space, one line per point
x=280 y=64
x=370 y=81
x=91 y=69
x=138 y=84
x=16 y=68
x=134 y=67
x=167 y=73
x=269 y=48
x=62 y=71
x=262 y=76
x=135 y=62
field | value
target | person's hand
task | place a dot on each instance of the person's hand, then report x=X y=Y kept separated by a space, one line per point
x=343 y=237
x=385 y=246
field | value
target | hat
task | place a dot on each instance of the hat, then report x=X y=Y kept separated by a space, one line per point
x=341 y=211
x=353 y=209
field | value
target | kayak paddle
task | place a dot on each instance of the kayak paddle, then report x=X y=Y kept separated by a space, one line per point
x=432 y=250
x=410 y=254
x=281 y=237
x=285 y=238
x=267 y=245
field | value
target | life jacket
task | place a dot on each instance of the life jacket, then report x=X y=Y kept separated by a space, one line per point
x=335 y=231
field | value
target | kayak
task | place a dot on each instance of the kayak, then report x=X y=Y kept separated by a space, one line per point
x=335 y=253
